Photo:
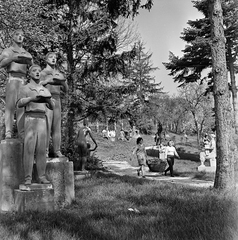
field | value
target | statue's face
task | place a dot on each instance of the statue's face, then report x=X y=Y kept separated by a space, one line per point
x=18 y=36
x=35 y=72
x=51 y=59
x=65 y=66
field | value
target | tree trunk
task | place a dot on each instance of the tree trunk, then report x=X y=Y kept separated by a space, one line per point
x=233 y=86
x=224 y=179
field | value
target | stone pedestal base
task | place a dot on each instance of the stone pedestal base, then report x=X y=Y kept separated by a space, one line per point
x=35 y=187
x=80 y=175
x=203 y=168
x=11 y=172
x=61 y=175
x=38 y=197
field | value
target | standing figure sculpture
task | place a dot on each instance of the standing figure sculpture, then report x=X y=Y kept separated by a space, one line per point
x=83 y=147
x=34 y=99
x=158 y=135
x=54 y=81
x=15 y=59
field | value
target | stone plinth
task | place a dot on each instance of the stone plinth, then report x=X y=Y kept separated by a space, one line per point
x=35 y=187
x=36 y=197
x=60 y=173
x=80 y=175
x=203 y=168
x=11 y=172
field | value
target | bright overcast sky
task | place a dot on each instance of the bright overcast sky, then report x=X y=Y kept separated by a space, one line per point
x=161 y=29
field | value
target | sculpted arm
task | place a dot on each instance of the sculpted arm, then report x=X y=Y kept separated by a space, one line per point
x=50 y=104
x=6 y=58
x=65 y=87
x=90 y=134
x=23 y=99
x=45 y=78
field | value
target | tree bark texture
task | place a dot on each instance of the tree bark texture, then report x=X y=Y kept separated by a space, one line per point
x=233 y=86
x=224 y=179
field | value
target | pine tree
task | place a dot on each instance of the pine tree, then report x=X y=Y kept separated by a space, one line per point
x=226 y=150
x=141 y=79
x=197 y=53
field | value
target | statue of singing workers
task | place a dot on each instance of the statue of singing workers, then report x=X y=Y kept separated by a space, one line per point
x=15 y=60
x=55 y=81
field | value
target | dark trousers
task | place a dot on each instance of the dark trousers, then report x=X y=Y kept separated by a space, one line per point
x=170 y=161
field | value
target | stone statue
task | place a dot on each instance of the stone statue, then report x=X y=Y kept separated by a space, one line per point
x=34 y=99
x=158 y=135
x=208 y=153
x=15 y=59
x=83 y=147
x=54 y=81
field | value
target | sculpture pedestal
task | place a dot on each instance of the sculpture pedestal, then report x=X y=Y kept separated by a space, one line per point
x=211 y=168
x=59 y=171
x=211 y=158
x=80 y=175
x=36 y=197
x=11 y=171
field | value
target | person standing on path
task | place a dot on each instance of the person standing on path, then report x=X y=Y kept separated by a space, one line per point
x=170 y=153
x=141 y=156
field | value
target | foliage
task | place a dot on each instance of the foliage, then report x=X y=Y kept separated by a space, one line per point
x=200 y=106
x=197 y=53
x=26 y=15
x=84 y=33
x=171 y=112
x=139 y=76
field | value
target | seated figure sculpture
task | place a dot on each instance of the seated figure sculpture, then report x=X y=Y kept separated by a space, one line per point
x=208 y=153
x=34 y=99
x=83 y=147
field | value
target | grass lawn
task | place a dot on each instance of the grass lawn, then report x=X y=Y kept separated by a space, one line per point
x=111 y=207
x=158 y=211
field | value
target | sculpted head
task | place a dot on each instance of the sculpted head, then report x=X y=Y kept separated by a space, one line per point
x=34 y=72
x=18 y=36
x=51 y=58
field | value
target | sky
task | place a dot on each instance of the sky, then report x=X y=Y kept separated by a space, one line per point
x=160 y=29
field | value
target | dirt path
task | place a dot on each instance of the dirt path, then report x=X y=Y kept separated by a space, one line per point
x=124 y=168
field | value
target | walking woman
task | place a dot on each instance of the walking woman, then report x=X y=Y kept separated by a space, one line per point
x=141 y=155
x=170 y=153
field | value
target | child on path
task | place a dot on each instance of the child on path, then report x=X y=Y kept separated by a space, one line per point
x=170 y=153
x=141 y=155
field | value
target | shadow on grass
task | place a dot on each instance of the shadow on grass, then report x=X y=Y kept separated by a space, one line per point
x=100 y=212
x=188 y=156
x=197 y=176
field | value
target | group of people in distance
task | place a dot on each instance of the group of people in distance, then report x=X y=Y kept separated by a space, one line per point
x=35 y=95
x=170 y=154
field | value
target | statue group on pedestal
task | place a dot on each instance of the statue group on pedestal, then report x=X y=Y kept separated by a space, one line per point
x=37 y=104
